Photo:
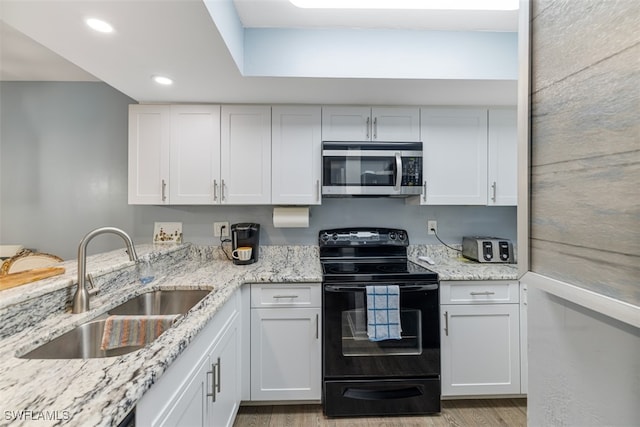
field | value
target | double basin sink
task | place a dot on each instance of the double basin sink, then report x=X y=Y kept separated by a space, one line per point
x=84 y=341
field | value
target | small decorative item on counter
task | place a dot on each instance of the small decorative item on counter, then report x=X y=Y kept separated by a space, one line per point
x=145 y=272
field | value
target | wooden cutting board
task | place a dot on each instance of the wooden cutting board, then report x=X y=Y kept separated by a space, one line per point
x=23 y=277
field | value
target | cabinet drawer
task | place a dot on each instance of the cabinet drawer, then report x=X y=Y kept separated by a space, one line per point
x=298 y=295
x=469 y=292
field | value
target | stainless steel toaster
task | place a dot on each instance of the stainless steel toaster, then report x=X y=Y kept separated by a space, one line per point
x=488 y=249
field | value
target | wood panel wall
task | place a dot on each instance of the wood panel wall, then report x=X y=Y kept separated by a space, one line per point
x=585 y=144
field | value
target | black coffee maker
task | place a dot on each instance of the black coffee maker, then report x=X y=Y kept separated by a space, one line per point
x=245 y=234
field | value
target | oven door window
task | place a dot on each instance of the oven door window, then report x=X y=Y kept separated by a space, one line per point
x=343 y=171
x=355 y=341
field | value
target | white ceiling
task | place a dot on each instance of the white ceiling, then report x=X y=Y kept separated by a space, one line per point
x=23 y=59
x=48 y=40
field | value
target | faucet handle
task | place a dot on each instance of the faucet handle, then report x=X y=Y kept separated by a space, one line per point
x=93 y=289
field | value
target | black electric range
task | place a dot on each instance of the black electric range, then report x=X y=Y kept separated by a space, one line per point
x=362 y=375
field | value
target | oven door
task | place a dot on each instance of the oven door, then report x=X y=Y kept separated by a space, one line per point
x=349 y=354
x=371 y=169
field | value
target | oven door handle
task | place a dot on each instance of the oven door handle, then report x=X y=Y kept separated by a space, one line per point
x=362 y=288
x=365 y=394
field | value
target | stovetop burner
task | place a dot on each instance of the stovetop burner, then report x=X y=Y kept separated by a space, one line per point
x=368 y=254
x=340 y=267
x=335 y=270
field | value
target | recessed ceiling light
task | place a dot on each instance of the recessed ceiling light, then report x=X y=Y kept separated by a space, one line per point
x=409 y=4
x=99 y=25
x=162 y=80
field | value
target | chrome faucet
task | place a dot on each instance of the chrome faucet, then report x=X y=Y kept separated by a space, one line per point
x=81 y=297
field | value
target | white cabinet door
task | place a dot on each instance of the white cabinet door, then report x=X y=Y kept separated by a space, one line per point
x=202 y=386
x=480 y=349
x=191 y=407
x=285 y=354
x=149 y=148
x=395 y=124
x=503 y=157
x=296 y=155
x=455 y=156
x=246 y=154
x=195 y=154
x=346 y=123
x=390 y=124
x=224 y=392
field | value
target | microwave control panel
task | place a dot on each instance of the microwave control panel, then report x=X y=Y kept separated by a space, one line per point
x=411 y=171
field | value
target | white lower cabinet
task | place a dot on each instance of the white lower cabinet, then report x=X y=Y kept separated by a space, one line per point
x=480 y=335
x=190 y=408
x=286 y=342
x=202 y=387
x=224 y=388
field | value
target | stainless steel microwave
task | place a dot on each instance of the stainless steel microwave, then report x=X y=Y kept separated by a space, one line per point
x=371 y=168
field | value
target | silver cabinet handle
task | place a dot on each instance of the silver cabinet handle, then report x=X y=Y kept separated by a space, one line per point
x=446 y=323
x=493 y=192
x=317 y=326
x=219 y=379
x=212 y=372
x=482 y=293
x=285 y=296
x=164 y=190
x=222 y=190
x=318 y=190
x=375 y=128
x=215 y=190
x=424 y=191
x=368 y=126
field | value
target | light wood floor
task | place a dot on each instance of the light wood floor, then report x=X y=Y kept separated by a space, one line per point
x=458 y=413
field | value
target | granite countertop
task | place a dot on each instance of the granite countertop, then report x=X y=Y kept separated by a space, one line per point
x=101 y=392
x=451 y=266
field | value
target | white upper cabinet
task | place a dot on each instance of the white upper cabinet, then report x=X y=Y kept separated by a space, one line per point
x=390 y=124
x=346 y=123
x=149 y=149
x=503 y=157
x=455 y=156
x=246 y=154
x=395 y=124
x=296 y=155
x=195 y=154
x=174 y=154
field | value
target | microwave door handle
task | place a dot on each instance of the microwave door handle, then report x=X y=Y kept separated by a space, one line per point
x=398 y=172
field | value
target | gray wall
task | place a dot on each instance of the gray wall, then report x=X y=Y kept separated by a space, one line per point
x=64 y=172
x=585 y=218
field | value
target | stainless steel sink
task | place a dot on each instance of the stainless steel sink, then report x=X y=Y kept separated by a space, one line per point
x=84 y=341
x=161 y=302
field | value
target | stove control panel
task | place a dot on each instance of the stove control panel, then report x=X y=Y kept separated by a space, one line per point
x=363 y=237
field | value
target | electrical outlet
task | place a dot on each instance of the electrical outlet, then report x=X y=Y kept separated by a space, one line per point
x=219 y=231
x=432 y=225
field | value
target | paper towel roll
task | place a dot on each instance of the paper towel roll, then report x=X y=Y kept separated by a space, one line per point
x=297 y=217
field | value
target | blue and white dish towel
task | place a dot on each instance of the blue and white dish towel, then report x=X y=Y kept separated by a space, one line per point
x=383 y=313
